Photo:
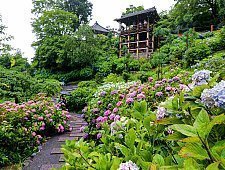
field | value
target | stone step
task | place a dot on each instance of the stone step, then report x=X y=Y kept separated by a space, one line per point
x=77 y=134
x=62 y=158
x=56 y=151
x=50 y=166
x=63 y=139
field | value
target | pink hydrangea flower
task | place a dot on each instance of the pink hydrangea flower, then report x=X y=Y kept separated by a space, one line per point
x=129 y=100
x=141 y=96
x=112 y=116
x=40 y=118
x=150 y=79
x=119 y=103
x=33 y=134
x=115 y=110
x=159 y=94
x=107 y=112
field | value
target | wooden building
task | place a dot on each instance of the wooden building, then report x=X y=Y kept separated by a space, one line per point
x=98 y=29
x=136 y=33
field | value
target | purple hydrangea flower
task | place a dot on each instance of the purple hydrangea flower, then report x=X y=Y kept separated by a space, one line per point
x=99 y=135
x=128 y=166
x=129 y=100
x=107 y=113
x=159 y=94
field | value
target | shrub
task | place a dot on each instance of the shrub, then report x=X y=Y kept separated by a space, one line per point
x=114 y=78
x=146 y=67
x=133 y=65
x=196 y=53
x=86 y=73
x=23 y=127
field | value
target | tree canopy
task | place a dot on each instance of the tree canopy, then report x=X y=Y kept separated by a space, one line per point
x=132 y=9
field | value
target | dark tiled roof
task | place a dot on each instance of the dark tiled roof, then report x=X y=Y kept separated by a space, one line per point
x=99 y=28
x=146 y=11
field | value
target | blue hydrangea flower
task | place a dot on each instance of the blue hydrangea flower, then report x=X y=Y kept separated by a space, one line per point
x=214 y=97
x=201 y=77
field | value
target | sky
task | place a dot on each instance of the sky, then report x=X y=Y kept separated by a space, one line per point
x=16 y=15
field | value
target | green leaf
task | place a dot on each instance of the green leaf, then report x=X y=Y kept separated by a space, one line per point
x=115 y=163
x=175 y=103
x=216 y=121
x=219 y=147
x=193 y=139
x=130 y=138
x=191 y=164
x=141 y=107
x=146 y=122
x=175 y=136
x=158 y=159
x=169 y=121
x=185 y=129
x=213 y=166
x=193 y=150
x=197 y=91
x=201 y=123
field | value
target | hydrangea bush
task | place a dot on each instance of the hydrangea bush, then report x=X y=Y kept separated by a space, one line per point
x=23 y=127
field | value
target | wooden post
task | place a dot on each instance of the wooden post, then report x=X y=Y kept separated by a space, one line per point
x=137 y=37
x=211 y=28
x=128 y=45
x=147 y=40
x=120 y=46
x=137 y=44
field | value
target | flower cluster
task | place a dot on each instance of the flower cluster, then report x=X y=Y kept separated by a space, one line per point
x=214 y=97
x=201 y=77
x=39 y=117
x=128 y=166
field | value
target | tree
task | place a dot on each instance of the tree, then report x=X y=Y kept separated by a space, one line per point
x=189 y=13
x=81 y=8
x=133 y=9
x=4 y=38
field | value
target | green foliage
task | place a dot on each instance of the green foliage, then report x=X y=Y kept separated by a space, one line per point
x=80 y=96
x=113 y=78
x=20 y=86
x=81 y=8
x=196 y=53
x=133 y=9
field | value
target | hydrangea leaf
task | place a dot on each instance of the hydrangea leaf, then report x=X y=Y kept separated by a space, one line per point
x=201 y=123
x=191 y=164
x=175 y=136
x=216 y=121
x=185 y=129
x=213 y=166
x=193 y=139
x=197 y=91
x=130 y=138
x=169 y=121
x=193 y=150
x=158 y=159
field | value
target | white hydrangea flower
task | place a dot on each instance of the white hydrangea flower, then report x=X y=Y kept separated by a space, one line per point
x=128 y=166
x=161 y=112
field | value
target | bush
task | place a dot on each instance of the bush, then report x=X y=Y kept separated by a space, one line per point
x=114 y=78
x=24 y=127
x=196 y=53
x=86 y=73
x=146 y=67
x=91 y=84
x=133 y=65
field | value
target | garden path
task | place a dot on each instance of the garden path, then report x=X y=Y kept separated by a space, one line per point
x=50 y=155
